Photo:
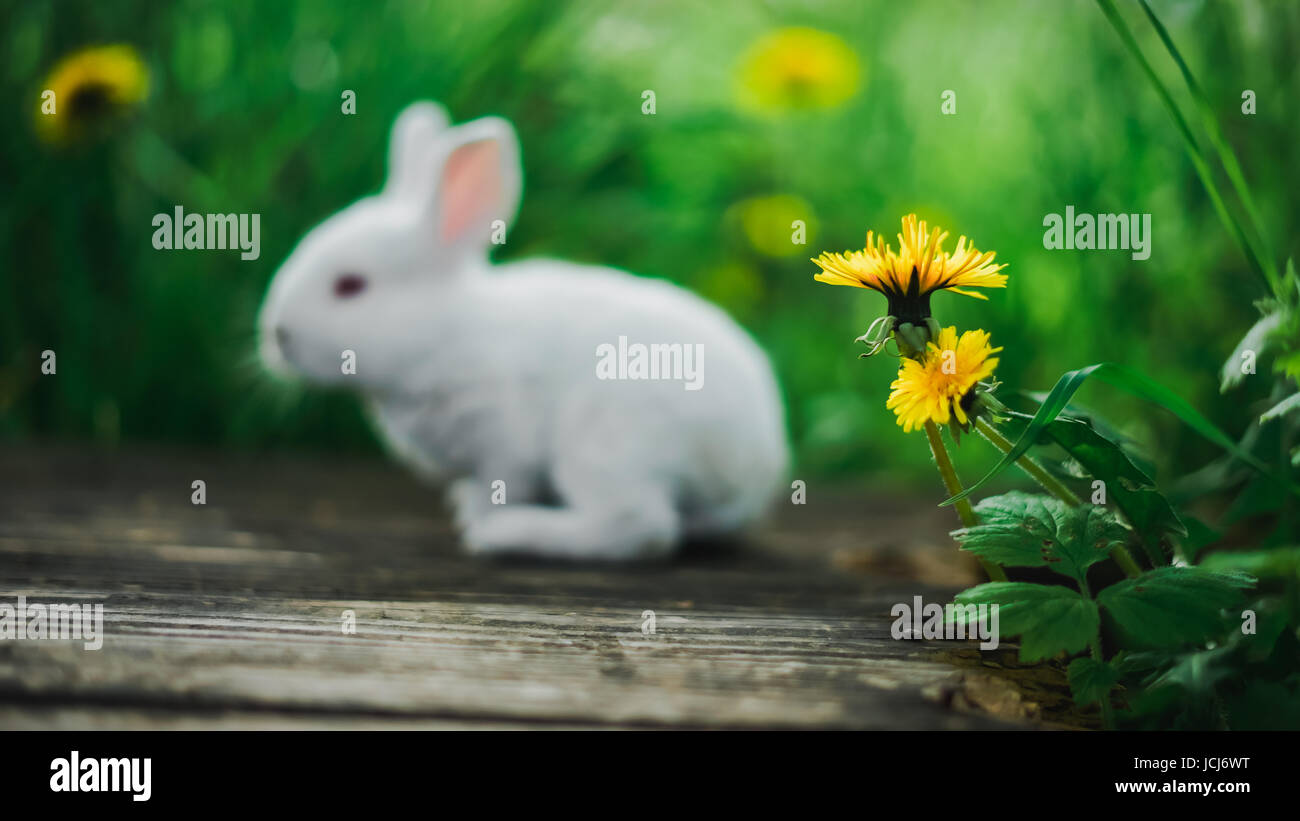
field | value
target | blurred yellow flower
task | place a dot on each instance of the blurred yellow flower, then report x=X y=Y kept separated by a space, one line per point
x=798 y=68
x=90 y=88
x=919 y=268
x=777 y=225
x=941 y=385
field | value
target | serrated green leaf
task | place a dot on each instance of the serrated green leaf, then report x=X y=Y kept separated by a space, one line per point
x=1090 y=680
x=1013 y=528
x=1049 y=619
x=1032 y=530
x=1172 y=606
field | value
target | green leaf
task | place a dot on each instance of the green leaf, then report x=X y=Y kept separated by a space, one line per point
x=1199 y=163
x=1135 y=383
x=1196 y=673
x=1013 y=529
x=1132 y=491
x=1172 y=606
x=1257 y=340
x=1144 y=664
x=1090 y=680
x=1032 y=530
x=1277 y=563
x=1227 y=157
x=1282 y=408
x=1050 y=619
x=1272 y=618
x=1199 y=536
x=1257 y=497
x=1288 y=364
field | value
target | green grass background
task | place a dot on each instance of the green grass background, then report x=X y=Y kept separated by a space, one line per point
x=244 y=116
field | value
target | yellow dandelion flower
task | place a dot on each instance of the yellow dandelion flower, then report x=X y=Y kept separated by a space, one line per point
x=909 y=276
x=798 y=68
x=941 y=385
x=90 y=87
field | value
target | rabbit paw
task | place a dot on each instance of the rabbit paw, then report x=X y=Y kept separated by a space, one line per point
x=468 y=503
x=565 y=533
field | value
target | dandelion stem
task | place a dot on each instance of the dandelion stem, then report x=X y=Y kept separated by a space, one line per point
x=1055 y=487
x=953 y=484
x=1049 y=482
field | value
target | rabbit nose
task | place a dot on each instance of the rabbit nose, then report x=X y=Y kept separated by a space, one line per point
x=281 y=336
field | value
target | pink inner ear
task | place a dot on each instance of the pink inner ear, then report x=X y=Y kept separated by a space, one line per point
x=471 y=186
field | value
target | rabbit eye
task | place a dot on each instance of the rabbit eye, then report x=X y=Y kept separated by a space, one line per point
x=349 y=285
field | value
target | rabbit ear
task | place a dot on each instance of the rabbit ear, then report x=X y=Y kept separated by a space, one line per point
x=412 y=146
x=479 y=184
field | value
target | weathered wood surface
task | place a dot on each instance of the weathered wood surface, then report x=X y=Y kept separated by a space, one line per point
x=229 y=615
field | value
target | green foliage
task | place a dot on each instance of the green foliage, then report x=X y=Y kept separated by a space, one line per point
x=1291 y=403
x=1133 y=382
x=1187 y=653
x=1179 y=688
x=1027 y=530
x=1050 y=619
x=1227 y=156
x=1172 y=606
x=1257 y=341
x=1132 y=491
x=1167 y=608
x=1090 y=680
x=1199 y=536
x=1249 y=680
x=1279 y=564
x=1259 y=261
x=1264 y=705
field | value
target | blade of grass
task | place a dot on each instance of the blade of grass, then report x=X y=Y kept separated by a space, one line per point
x=1227 y=156
x=1189 y=141
x=1140 y=386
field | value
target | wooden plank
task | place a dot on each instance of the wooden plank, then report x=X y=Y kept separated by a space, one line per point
x=471 y=660
x=234 y=609
x=29 y=717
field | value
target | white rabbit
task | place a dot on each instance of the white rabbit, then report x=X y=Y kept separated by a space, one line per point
x=486 y=376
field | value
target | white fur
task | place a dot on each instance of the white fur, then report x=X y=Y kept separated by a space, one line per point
x=478 y=373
